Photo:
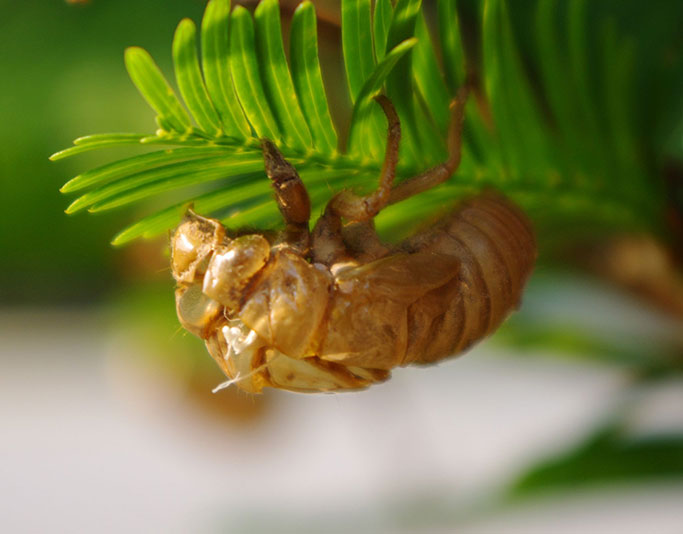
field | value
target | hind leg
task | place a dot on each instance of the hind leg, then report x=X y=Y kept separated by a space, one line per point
x=328 y=242
x=356 y=208
x=440 y=173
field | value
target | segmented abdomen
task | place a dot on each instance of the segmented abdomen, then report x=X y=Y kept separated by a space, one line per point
x=496 y=247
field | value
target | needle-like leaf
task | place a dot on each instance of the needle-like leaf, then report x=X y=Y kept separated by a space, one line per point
x=357 y=44
x=400 y=85
x=190 y=80
x=381 y=22
x=155 y=89
x=246 y=76
x=95 y=142
x=167 y=172
x=364 y=101
x=451 y=45
x=277 y=79
x=135 y=164
x=308 y=78
x=359 y=63
x=215 y=53
x=428 y=77
x=553 y=146
x=166 y=219
x=174 y=181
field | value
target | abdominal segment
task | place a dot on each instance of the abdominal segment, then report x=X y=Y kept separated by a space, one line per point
x=496 y=249
x=248 y=361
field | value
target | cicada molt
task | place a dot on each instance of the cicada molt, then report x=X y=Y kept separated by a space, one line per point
x=336 y=308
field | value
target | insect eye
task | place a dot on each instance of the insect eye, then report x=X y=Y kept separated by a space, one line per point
x=191 y=246
x=232 y=266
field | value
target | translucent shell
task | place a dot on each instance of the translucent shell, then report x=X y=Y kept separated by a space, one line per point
x=196 y=312
x=270 y=317
x=232 y=267
x=368 y=318
x=250 y=364
x=287 y=304
x=192 y=244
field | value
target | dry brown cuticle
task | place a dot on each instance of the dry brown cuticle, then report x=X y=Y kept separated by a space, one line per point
x=335 y=308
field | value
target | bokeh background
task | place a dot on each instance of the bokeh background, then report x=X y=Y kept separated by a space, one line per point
x=570 y=419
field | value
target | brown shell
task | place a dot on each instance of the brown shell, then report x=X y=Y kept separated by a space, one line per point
x=310 y=327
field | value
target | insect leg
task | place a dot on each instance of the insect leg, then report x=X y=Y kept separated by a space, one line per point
x=291 y=195
x=440 y=173
x=363 y=208
x=328 y=243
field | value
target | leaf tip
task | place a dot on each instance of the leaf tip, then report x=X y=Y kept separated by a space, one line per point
x=264 y=5
x=409 y=43
x=132 y=51
x=119 y=239
x=186 y=25
x=240 y=12
x=72 y=208
x=305 y=10
x=134 y=55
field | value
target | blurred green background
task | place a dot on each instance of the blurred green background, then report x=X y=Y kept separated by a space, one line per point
x=64 y=77
x=584 y=383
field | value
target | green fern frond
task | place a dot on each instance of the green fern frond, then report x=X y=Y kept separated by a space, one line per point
x=561 y=161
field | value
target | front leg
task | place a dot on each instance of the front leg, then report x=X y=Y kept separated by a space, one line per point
x=291 y=195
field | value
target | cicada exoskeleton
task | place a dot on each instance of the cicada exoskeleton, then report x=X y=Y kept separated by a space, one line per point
x=336 y=308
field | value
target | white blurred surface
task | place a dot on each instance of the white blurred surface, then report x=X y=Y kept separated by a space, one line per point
x=93 y=443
